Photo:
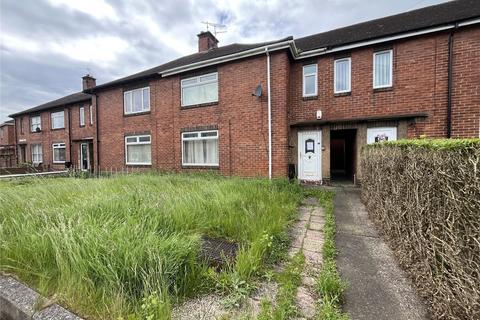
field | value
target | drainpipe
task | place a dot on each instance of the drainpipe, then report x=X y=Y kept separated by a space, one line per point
x=269 y=116
x=97 y=163
x=450 y=82
x=69 y=137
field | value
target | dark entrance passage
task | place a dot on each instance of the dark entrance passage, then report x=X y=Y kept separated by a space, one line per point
x=342 y=154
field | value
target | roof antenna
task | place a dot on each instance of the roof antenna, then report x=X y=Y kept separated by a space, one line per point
x=215 y=26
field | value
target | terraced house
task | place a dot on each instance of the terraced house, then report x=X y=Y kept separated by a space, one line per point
x=300 y=107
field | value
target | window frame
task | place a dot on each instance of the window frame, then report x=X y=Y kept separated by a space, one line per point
x=52 y=122
x=349 y=89
x=41 y=152
x=39 y=123
x=58 y=145
x=138 y=142
x=390 y=84
x=90 y=110
x=199 y=137
x=81 y=116
x=197 y=83
x=131 y=100
x=304 y=94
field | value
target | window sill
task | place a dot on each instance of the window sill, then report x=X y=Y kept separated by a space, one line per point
x=310 y=98
x=138 y=165
x=58 y=162
x=36 y=131
x=215 y=167
x=199 y=105
x=82 y=126
x=56 y=129
x=383 y=89
x=136 y=114
x=342 y=94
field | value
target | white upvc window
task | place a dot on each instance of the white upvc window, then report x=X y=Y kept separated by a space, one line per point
x=136 y=101
x=200 y=148
x=310 y=80
x=37 y=155
x=200 y=89
x=35 y=124
x=138 y=150
x=82 y=116
x=58 y=120
x=90 y=111
x=342 y=75
x=382 y=69
x=381 y=134
x=59 y=152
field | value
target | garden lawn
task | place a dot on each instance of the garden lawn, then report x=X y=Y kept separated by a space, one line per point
x=128 y=246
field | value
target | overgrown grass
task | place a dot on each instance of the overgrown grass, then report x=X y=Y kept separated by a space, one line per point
x=128 y=246
x=329 y=285
x=288 y=281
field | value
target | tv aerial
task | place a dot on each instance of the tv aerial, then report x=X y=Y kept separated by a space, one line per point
x=217 y=27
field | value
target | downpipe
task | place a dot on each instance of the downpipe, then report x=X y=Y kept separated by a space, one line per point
x=269 y=102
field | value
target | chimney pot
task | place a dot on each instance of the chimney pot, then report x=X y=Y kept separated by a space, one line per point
x=206 y=41
x=88 y=82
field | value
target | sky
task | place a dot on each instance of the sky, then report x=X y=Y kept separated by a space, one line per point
x=46 y=46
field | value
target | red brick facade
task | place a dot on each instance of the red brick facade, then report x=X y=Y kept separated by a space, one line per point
x=420 y=87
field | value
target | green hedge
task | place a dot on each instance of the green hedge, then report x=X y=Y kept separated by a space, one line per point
x=425 y=196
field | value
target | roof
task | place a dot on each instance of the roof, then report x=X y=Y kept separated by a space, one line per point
x=7 y=123
x=193 y=58
x=70 y=99
x=428 y=17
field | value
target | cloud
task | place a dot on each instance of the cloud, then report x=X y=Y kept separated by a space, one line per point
x=47 y=45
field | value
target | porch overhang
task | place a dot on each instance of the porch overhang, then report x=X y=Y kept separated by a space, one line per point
x=397 y=117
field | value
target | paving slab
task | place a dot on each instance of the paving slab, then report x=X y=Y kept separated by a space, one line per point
x=377 y=287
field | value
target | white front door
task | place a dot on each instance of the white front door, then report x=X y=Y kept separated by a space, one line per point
x=310 y=155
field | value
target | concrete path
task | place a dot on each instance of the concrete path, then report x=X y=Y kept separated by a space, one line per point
x=308 y=237
x=377 y=288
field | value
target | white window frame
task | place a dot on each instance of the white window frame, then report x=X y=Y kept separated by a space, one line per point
x=199 y=137
x=41 y=153
x=198 y=82
x=90 y=110
x=144 y=108
x=54 y=115
x=304 y=75
x=349 y=88
x=390 y=51
x=58 y=146
x=39 y=123
x=371 y=132
x=138 y=142
x=81 y=112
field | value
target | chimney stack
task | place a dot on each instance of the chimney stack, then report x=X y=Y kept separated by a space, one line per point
x=206 y=41
x=88 y=82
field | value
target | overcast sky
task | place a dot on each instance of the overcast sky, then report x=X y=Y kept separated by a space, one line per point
x=47 y=45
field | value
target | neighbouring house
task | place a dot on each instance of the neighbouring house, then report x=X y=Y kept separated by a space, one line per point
x=300 y=107
x=7 y=145
x=59 y=133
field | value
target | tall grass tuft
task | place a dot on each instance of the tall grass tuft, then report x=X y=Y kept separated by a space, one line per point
x=123 y=246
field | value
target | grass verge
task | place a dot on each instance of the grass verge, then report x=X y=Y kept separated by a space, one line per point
x=127 y=246
x=329 y=285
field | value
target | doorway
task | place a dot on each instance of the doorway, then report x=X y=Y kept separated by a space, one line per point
x=310 y=155
x=342 y=154
x=84 y=156
x=23 y=153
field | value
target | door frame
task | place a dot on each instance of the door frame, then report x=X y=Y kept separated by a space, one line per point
x=301 y=135
x=81 y=156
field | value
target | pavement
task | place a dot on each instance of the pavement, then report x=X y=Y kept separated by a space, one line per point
x=377 y=288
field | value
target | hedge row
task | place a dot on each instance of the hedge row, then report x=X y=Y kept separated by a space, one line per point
x=425 y=196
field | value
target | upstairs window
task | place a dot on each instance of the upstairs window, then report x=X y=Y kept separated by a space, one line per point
x=58 y=120
x=382 y=69
x=35 y=124
x=342 y=75
x=199 y=90
x=82 y=116
x=58 y=152
x=138 y=150
x=200 y=148
x=90 y=111
x=37 y=156
x=136 y=101
x=310 y=80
